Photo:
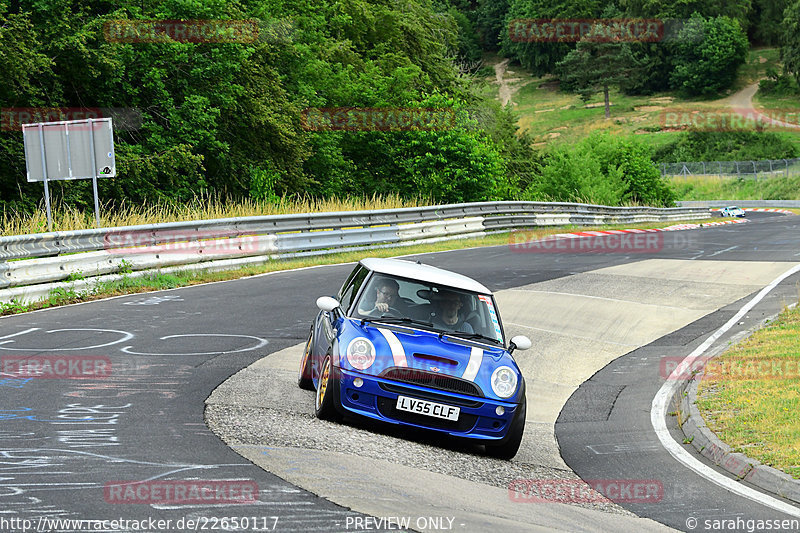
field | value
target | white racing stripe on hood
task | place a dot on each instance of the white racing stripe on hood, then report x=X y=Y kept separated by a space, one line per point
x=398 y=353
x=475 y=360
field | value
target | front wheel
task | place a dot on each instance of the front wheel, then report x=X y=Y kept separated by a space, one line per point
x=508 y=449
x=327 y=392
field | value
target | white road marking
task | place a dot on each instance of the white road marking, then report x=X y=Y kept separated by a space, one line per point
x=261 y=344
x=17 y=334
x=125 y=336
x=658 y=413
x=723 y=251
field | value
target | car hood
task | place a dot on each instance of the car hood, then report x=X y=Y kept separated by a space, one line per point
x=401 y=346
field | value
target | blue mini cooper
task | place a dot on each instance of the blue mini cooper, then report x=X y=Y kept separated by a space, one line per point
x=411 y=344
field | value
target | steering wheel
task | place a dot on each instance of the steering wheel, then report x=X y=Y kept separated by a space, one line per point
x=377 y=313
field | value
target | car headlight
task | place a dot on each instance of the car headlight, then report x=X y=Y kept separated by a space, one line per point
x=504 y=381
x=360 y=353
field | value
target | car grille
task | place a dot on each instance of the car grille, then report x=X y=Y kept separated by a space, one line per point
x=433 y=380
x=425 y=395
x=387 y=408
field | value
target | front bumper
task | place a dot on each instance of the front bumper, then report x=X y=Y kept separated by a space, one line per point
x=377 y=397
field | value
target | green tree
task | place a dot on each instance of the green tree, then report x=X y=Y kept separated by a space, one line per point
x=790 y=49
x=594 y=66
x=523 y=45
x=767 y=16
x=741 y=10
x=491 y=22
x=707 y=55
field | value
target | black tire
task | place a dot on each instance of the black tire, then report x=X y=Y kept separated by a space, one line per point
x=509 y=446
x=304 y=377
x=327 y=397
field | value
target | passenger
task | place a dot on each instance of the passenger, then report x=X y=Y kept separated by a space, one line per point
x=448 y=316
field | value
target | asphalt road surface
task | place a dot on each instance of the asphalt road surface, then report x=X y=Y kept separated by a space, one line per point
x=101 y=448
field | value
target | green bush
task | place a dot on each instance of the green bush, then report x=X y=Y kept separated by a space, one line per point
x=603 y=170
x=778 y=84
x=633 y=161
x=725 y=146
x=574 y=175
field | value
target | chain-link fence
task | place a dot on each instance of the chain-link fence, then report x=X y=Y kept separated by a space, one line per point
x=733 y=169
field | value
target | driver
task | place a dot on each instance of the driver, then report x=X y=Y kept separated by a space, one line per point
x=386 y=296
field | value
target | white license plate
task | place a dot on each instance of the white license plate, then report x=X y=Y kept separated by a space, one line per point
x=424 y=407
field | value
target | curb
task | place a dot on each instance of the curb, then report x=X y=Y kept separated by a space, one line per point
x=761 y=209
x=600 y=233
x=712 y=448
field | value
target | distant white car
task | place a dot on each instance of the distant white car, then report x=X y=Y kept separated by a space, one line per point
x=732 y=211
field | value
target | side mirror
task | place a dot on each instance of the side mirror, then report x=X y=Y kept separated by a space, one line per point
x=520 y=342
x=326 y=303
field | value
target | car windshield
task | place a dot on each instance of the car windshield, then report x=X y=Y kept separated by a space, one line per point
x=439 y=308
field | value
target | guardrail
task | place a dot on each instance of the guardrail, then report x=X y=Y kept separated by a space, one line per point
x=39 y=258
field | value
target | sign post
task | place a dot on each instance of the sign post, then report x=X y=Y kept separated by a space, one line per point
x=70 y=150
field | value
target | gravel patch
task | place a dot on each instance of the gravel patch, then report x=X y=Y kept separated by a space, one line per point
x=264 y=407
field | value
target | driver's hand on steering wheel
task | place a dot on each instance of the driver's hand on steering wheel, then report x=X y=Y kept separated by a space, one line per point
x=382 y=307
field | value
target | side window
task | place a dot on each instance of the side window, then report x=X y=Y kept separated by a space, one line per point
x=351 y=290
x=348 y=284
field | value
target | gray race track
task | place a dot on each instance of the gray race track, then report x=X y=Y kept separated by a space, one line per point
x=63 y=440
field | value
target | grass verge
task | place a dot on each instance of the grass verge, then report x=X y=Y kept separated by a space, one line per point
x=160 y=281
x=752 y=402
x=731 y=188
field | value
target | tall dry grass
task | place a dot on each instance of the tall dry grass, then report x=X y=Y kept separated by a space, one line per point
x=67 y=218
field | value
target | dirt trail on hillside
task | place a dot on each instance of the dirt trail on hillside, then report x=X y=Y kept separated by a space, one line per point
x=742 y=103
x=506 y=90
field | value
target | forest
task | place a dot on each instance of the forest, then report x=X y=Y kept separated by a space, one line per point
x=224 y=108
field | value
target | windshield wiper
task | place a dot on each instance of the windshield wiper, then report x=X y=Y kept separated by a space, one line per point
x=396 y=320
x=463 y=335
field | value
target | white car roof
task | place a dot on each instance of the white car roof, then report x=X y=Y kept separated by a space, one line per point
x=427 y=273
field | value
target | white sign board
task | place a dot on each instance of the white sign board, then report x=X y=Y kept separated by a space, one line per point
x=69 y=150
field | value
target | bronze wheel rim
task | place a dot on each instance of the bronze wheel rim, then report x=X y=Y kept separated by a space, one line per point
x=323 y=382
